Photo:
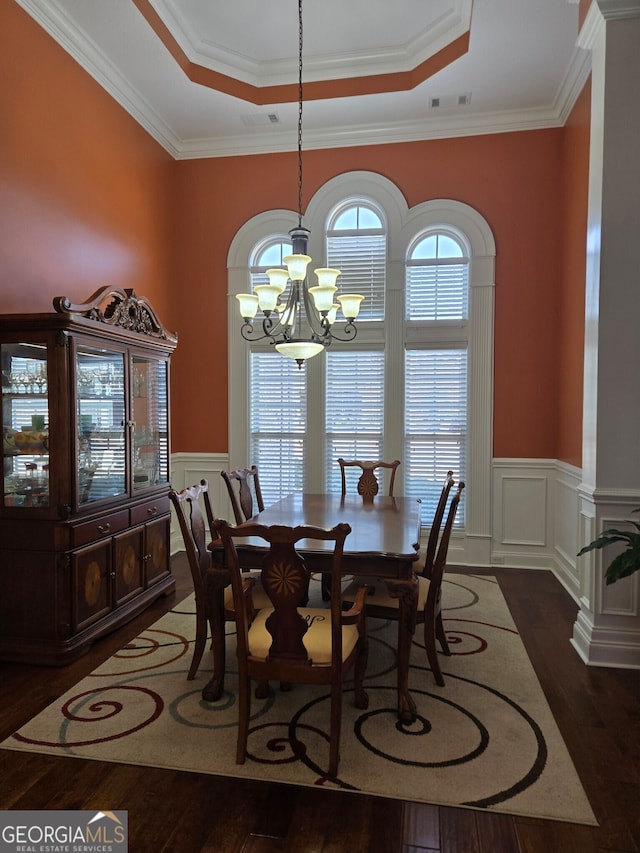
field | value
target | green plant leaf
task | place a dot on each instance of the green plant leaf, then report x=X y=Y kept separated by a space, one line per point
x=608 y=537
x=623 y=565
x=628 y=561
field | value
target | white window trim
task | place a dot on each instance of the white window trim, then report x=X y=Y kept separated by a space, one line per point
x=403 y=223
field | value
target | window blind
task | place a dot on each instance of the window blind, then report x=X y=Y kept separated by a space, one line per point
x=277 y=418
x=354 y=411
x=362 y=260
x=435 y=422
x=437 y=290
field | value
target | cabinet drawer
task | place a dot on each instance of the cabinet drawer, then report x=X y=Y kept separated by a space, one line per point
x=150 y=510
x=100 y=527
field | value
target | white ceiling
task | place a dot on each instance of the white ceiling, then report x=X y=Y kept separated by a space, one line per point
x=522 y=69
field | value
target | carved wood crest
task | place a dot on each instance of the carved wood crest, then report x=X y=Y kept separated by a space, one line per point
x=118 y=307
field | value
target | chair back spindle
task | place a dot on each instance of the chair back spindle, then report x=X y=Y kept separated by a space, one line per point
x=434 y=533
x=242 y=484
x=440 y=561
x=368 y=485
x=186 y=504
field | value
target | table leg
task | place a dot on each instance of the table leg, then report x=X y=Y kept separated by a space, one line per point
x=406 y=591
x=215 y=583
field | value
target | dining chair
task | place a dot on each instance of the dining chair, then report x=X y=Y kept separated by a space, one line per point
x=187 y=507
x=200 y=557
x=288 y=642
x=368 y=485
x=381 y=605
x=247 y=483
x=260 y=598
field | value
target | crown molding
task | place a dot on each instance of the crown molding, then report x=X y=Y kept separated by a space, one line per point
x=453 y=23
x=53 y=20
x=618 y=10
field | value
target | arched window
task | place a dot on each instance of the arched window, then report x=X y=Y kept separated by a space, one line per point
x=436 y=376
x=437 y=278
x=416 y=383
x=356 y=240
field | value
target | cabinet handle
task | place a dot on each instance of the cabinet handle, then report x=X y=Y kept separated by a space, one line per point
x=104 y=528
x=153 y=510
x=146 y=558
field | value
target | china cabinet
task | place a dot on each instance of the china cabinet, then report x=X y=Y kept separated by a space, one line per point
x=84 y=508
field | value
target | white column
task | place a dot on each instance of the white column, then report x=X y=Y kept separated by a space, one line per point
x=607 y=630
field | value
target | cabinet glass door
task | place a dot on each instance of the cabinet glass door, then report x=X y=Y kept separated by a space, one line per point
x=101 y=419
x=150 y=422
x=25 y=424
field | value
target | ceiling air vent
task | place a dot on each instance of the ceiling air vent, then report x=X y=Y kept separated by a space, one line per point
x=261 y=119
x=442 y=101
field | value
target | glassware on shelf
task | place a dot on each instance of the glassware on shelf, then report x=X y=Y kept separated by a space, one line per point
x=32 y=379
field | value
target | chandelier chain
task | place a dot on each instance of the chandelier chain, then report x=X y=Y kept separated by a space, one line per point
x=300 y=41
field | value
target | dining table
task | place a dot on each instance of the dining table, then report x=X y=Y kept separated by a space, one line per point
x=383 y=543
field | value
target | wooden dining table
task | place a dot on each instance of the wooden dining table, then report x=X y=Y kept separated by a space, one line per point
x=383 y=543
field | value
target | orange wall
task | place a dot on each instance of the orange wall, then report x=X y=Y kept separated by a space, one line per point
x=513 y=179
x=87 y=198
x=84 y=191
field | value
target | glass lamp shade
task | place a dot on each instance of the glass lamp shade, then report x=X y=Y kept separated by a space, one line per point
x=248 y=305
x=267 y=296
x=323 y=296
x=299 y=350
x=327 y=277
x=278 y=278
x=287 y=314
x=350 y=303
x=297 y=266
x=333 y=313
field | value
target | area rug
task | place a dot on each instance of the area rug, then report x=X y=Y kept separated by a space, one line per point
x=486 y=740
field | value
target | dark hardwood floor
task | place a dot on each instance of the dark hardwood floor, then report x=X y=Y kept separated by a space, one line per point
x=597 y=710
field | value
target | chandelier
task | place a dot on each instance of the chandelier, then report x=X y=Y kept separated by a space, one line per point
x=302 y=326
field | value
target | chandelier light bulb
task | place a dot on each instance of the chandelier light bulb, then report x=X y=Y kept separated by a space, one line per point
x=278 y=278
x=327 y=277
x=267 y=296
x=297 y=266
x=333 y=313
x=248 y=305
x=322 y=297
x=350 y=303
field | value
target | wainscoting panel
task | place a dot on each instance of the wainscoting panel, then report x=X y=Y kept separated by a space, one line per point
x=523 y=523
x=607 y=628
x=190 y=468
x=566 y=532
